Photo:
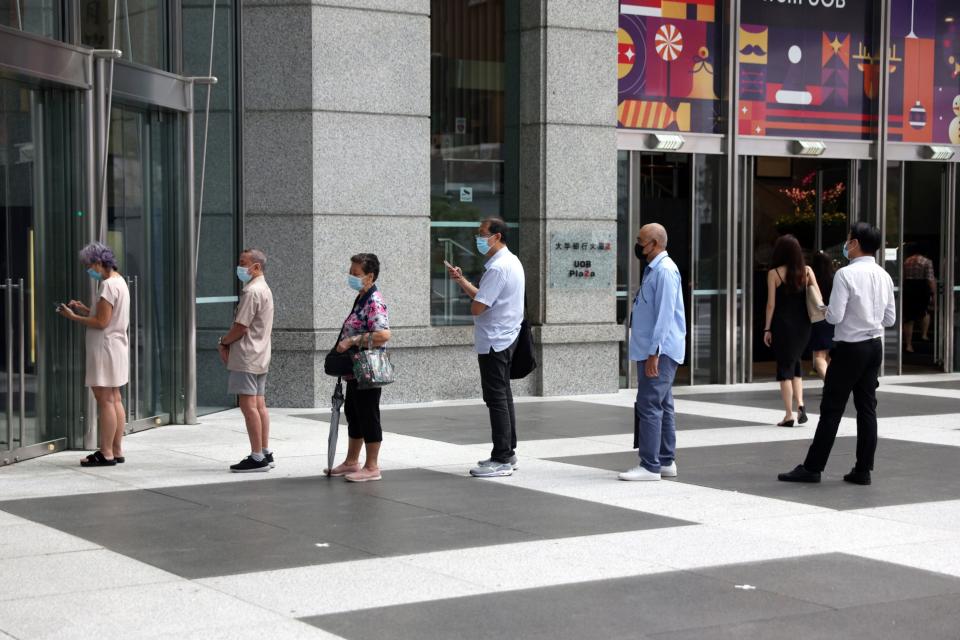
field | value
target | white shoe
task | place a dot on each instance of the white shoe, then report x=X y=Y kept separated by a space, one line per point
x=638 y=473
x=669 y=471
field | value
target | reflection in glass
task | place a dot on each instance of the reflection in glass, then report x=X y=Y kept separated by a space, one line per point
x=709 y=274
x=625 y=241
x=142 y=214
x=141 y=29
x=216 y=279
x=891 y=262
x=41 y=17
x=473 y=159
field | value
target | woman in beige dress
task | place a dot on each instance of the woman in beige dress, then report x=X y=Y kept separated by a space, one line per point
x=108 y=349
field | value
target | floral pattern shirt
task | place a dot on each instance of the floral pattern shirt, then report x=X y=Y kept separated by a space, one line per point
x=369 y=314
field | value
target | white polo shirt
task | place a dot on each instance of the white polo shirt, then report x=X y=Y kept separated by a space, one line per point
x=501 y=289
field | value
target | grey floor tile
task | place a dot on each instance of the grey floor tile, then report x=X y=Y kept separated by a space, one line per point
x=933 y=618
x=904 y=472
x=212 y=530
x=945 y=384
x=889 y=405
x=623 y=608
x=535 y=421
x=838 y=580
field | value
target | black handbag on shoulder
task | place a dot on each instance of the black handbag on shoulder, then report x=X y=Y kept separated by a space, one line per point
x=336 y=364
x=524 y=358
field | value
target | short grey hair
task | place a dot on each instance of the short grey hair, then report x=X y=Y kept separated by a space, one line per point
x=656 y=232
x=257 y=256
x=98 y=252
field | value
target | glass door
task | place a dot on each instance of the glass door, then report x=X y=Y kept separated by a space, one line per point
x=41 y=222
x=809 y=198
x=916 y=252
x=142 y=213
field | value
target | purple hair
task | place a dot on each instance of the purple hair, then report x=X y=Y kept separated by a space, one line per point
x=98 y=252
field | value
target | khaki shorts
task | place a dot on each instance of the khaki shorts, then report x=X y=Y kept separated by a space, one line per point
x=241 y=383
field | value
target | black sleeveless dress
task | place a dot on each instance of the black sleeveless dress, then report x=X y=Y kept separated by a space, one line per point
x=790 y=329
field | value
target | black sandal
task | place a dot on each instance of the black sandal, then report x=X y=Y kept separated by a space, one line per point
x=96 y=459
x=785 y=423
x=802 y=415
x=120 y=459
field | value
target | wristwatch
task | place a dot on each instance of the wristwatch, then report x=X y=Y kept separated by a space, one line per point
x=220 y=341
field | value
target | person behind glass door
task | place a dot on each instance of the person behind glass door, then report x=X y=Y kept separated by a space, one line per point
x=497 y=310
x=919 y=293
x=821 y=333
x=367 y=323
x=658 y=331
x=787 y=325
x=861 y=306
x=107 y=349
x=246 y=350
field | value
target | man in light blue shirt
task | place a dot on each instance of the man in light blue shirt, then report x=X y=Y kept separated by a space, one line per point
x=658 y=332
x=497 y=310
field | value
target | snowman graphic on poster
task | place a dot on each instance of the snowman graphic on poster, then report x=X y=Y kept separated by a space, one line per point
x=954 y=129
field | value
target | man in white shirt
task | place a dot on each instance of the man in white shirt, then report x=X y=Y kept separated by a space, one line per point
x=497 y=310
x=861 y=305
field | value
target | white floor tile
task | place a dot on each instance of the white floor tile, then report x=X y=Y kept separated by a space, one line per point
x=31 y=539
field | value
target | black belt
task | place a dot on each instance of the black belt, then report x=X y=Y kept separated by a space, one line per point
x=860 y=342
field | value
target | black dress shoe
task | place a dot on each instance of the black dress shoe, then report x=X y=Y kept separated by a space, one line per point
x=785 y=423
x=802 y=415
x=857 y=477
x=799 y=474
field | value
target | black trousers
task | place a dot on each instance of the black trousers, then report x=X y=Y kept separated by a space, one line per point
x=854 y=366
x=495 y=382
x=362 y=410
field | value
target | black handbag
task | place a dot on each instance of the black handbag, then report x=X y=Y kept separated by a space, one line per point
x=524 y=359
x=337 y=364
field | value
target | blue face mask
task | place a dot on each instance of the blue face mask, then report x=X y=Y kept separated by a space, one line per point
x=483 y=245
x=354 y=282
x=93 y=273
x=243 y=274
x=846 y=254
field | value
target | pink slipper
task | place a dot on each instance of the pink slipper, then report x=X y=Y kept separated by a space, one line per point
x=342 y=470
x=363 y=475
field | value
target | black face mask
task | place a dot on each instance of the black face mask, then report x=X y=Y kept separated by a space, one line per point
x=638 y=251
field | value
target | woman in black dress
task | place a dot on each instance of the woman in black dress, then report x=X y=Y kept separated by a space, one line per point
x=821 y=333
x=787 y=328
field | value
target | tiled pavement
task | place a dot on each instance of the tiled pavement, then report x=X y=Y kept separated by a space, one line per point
x=170 y=545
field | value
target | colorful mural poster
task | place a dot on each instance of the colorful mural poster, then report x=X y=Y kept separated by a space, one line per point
x=808 y=68
x=667 y=65
x=925 y=71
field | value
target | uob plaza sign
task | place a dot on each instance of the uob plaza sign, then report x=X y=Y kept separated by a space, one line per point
x=827 y=15
x=836 y=4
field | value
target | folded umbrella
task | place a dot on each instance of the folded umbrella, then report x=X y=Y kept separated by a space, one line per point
x=336 y=402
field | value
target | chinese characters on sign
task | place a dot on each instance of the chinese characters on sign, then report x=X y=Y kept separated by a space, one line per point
x=581 y=261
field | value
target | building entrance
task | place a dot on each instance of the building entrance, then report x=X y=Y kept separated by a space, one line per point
x=811 y=199
x=919 y=255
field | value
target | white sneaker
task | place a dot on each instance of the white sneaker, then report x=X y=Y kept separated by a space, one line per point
x=638 y=473
x=669 y=471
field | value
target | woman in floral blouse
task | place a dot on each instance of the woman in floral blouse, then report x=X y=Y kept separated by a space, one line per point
x=367 y=321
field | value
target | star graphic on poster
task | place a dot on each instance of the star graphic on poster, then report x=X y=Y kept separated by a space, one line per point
x=744 y=110
x=836 y=45
x=758 y=130
x=629 y=54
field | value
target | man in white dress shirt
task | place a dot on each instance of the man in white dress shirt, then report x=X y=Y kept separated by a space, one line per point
x=861 y=305
x=497 y=310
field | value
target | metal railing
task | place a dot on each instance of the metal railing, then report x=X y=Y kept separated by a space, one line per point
x=8 y=287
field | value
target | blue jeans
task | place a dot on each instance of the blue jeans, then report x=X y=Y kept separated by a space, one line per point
x=655 y=424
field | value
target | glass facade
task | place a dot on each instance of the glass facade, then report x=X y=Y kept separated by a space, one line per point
x=140 y=30
x=40 y=17
x=474 y=106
